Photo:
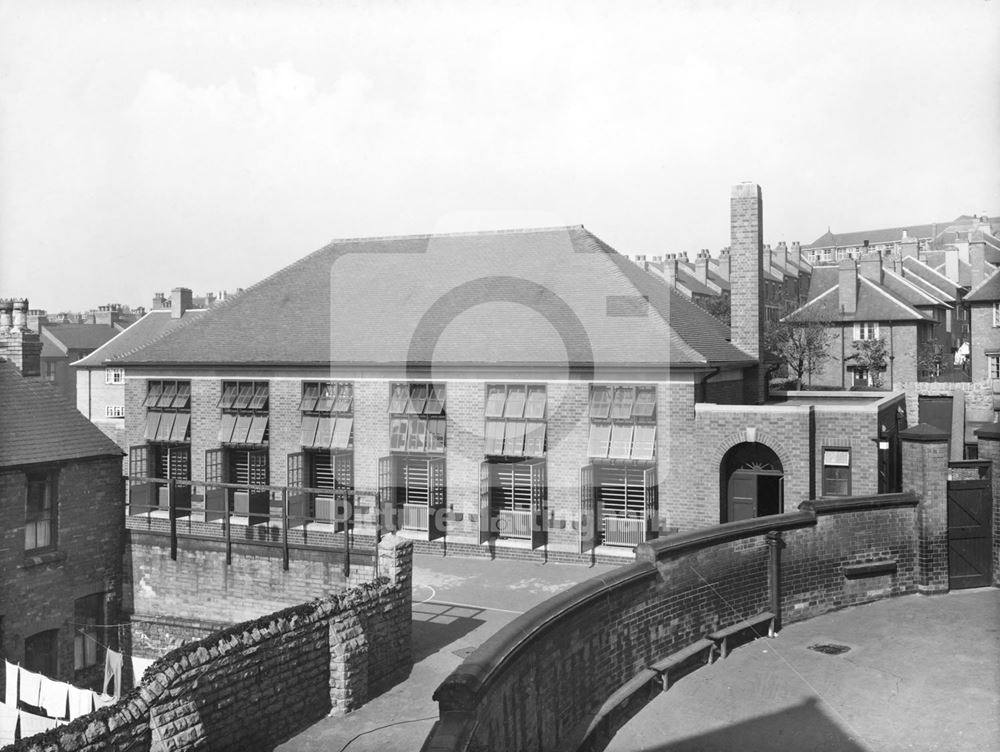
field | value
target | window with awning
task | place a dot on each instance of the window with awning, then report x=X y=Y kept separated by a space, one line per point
x=245 y=414
x=417 y=422
x=515 y=420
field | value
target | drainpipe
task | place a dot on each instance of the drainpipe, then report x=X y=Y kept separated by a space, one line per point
x=843 y=363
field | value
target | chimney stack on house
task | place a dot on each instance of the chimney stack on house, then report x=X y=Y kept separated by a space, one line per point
x=907 y=246
x=847 y=286
x=795 y=254
x=780 y=256
x=951 y=265
x=977 y=257
x=18 y=344
x=180 y=302
x=746 y=221
x=724 y=263
x=701 y=266
x=870 y=267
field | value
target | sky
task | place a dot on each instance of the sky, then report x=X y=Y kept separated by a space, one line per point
x=148 y=145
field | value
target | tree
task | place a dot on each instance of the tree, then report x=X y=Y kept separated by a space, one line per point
x=870 y=355
x=801 y=346
x=718 y=307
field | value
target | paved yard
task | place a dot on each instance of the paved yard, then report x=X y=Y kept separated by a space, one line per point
x=922 y=673
x=457 y=604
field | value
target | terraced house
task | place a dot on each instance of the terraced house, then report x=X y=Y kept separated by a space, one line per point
x=527 y=392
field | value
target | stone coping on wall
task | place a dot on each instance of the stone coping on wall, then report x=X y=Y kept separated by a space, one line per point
x=669 y=545
x=461 y=689
x=858 y=503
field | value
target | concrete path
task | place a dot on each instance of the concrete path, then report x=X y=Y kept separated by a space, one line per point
x=922 y=673
x=457 y=604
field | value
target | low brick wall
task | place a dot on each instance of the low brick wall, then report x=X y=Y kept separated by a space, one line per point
x=543 y=682
x=256 y=684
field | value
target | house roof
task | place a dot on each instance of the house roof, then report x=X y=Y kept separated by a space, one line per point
x=893 y=300
x=917 y=271
x=150 y=327
x=541 y=296
x=39 y=425
x=68 y=337
x=987 y=291
x=886 y=235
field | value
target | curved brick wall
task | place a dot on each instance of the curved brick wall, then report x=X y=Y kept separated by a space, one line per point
x=540 y=683
x=256 y=684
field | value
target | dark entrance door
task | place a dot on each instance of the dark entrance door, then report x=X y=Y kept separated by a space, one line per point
x=969 y=533
x=751 y=483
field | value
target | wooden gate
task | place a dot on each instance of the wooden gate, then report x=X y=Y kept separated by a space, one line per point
x=970 y=504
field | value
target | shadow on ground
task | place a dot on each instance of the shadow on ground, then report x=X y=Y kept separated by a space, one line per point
x=803 y=728
x=437 y=625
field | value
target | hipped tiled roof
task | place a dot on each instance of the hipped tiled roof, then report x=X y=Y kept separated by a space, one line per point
x=526 y=297
x=78 y=336
x=147 y=329
x=37 y=424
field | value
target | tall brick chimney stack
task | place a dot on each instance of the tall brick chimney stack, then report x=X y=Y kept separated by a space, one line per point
x=18 y=343
x=180 y=301
x=977 y=257
x=795 y=253
x=701 y=266
x=746 y=221
x=847 y=286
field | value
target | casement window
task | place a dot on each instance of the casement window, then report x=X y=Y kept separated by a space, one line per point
x=618 y=505
x=996 y=314
x=622 y=422
x=40 y=512
x=114 y=375
x=513 y=500
x=168 y=411
x=244 y=466
x=116 y=411
x=836 y=471
x=327 y=419
x=515 y=420
x=89 y=638
x=413 y=492
x=41 y=652
x=994 y=361
x=866 y=330
x=417 y=423
x=331 y=474
x=244 y=407
x=151 y=467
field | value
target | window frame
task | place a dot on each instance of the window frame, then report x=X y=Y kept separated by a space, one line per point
x=514 y=420
x=417 y=418
x=246 y=416
x=996 y=313
x=46 y=517
x=114 y=375
x=993 y=363
x=832 y=484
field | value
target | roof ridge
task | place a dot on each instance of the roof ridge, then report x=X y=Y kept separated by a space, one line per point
x=892 y=297
x=934 y=300
x=463 y=234
x=162 y=334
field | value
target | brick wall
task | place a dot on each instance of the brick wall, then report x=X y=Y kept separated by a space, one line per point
x=985 y=338
x=260 y=682
x=37 y=592
x=540 y=682
x=166 y=597
x=901 y=343
x=747 y=275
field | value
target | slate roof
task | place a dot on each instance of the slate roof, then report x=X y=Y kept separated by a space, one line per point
x=150 y=327
x=885 y=235
x=68 y=337
x=893 y=300
x=39 y=425
x=938 y=280
x=360 y=302
x=987 y=291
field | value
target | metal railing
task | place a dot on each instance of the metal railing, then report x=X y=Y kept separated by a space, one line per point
x=624 y=531
x=289 y=518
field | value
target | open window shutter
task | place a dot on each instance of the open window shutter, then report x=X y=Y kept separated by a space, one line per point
x=343 y=481
x=652 y=501
x=140 y=492
x=259 y=501
x=485 y=522
x=298 y=501
x=179 y=468
x=436 y=498
x=588 y=512
x=538 y=505
x=216 y=505
x=387 y=491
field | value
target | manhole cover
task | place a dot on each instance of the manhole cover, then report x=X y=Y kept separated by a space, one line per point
x=463 y=652
x=830 y=649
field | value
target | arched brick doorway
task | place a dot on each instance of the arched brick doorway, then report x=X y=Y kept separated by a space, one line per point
x=751 y=482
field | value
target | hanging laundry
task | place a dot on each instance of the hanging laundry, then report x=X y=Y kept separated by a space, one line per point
x=53 y=697
x=81 y=702
x=8 y=723
x=31 y=687
x=139 y=666
x=10 y=686
x=112 y=670
x=101 y=700
x=35 y=724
